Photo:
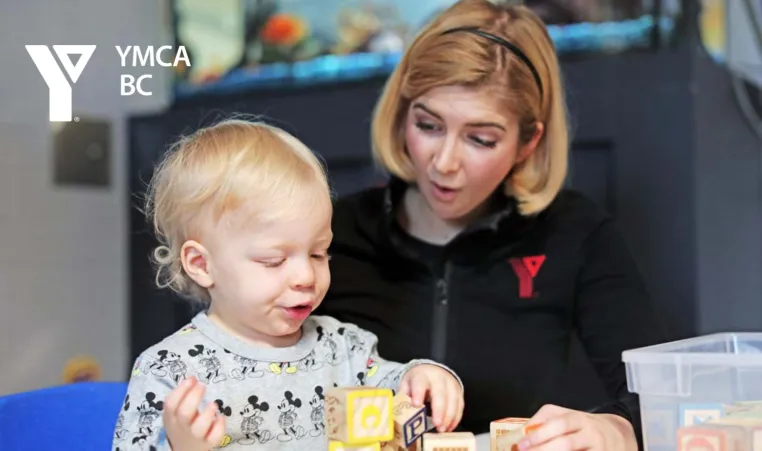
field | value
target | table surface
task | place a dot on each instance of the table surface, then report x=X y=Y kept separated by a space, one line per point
x=482 y=442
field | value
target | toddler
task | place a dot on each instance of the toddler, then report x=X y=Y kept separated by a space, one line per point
x=243 y=210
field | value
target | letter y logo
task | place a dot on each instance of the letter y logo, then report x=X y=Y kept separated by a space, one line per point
x=526 y=269
x=58 y=86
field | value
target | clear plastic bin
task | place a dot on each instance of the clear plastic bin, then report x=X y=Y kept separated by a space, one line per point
x=691 y=381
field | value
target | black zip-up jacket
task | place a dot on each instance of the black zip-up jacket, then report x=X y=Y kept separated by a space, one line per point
x=500 y=304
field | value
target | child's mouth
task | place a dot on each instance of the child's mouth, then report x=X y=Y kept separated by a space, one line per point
x=298 y=312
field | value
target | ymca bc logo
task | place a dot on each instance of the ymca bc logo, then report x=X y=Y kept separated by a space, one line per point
x=526 y=269
x=58 y=86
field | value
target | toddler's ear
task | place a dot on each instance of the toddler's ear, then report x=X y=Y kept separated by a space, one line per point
x=195 y=260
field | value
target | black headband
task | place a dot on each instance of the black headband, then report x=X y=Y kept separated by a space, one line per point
x=511 y=47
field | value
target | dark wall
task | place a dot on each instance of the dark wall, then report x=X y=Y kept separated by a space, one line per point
x=728 y=196
x=641 y=105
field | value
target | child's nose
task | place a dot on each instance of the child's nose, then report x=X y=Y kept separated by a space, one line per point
x=304 y=276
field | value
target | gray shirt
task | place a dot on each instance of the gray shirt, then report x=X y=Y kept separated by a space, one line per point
x=272 y=398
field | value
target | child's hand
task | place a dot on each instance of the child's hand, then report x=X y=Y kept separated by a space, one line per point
x=440 y=388
x=187 y=428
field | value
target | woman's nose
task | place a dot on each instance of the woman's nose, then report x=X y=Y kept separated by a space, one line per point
x=447 y=161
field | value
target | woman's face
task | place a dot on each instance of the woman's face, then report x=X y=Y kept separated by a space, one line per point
x=462 y=143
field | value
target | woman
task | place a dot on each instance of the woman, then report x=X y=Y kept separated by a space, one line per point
x=473 y=254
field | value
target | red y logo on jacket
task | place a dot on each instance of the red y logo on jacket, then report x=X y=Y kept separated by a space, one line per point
x=526 y=269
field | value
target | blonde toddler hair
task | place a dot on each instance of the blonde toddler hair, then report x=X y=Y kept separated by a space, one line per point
x=218 y=169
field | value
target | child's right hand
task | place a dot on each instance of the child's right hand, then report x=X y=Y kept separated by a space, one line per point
x=188 y=429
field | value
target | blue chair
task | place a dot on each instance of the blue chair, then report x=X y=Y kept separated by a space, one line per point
x=74 y=417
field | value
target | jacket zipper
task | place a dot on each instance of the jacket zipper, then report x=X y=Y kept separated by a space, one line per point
x=441 y=305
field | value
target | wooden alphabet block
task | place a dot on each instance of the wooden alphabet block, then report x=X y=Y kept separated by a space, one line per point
x=393 y=446
x=750 y=414
x=359 y=415
x=409 y=421
x=744 y=410
x=695 y=414
x=333 y=445
x=750 y=428
x=449 y=441
x=508 y=440
x=710 y=437
x=748 y=404
x=503 y=426
x=750 y=422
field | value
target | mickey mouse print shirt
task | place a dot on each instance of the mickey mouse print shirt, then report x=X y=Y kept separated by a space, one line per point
x=272 y=398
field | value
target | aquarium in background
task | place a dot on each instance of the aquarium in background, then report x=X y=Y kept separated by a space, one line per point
x=238 y=45
x=712 y=28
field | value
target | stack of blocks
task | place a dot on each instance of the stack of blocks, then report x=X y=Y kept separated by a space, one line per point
x=372 y=419
x=737 y=427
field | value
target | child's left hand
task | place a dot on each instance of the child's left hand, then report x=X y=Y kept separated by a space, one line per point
x=440 y=388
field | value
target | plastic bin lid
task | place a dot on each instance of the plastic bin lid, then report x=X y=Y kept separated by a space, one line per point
x=726 y=348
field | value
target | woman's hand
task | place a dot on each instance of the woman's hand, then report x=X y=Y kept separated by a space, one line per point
x=440 y=388
x=571 y=430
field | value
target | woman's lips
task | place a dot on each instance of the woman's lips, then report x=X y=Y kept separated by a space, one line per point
x=443 y=193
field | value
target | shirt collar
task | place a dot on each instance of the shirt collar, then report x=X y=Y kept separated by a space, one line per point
x=502 y=207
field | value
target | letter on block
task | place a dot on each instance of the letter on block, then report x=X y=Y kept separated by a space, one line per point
x=449 y=441
x=333 y=445
x=409 y=421
x=695 y=414
x=359 y=415
x=503 y=426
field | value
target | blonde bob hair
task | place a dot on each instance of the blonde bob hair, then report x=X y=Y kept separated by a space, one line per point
x=435 y=59
x=234 y=165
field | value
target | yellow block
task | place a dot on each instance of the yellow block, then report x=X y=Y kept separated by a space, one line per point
x=359 y=415
x=333 y=445
x=369 y=414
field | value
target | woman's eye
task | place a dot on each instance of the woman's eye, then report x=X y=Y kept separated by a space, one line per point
x=425 y=126
x=484 y=142
x=273 y=263
x=321 y=257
